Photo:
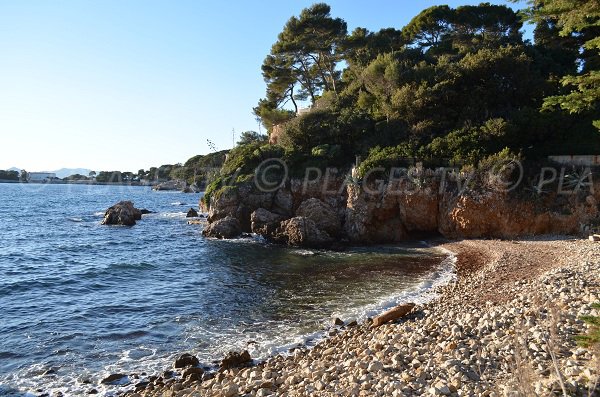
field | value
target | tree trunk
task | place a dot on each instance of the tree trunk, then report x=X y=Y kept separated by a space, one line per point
x=393 y=314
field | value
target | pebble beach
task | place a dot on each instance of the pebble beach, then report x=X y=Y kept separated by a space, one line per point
x=505 y=327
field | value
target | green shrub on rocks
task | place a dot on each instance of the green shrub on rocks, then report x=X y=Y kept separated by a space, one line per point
x=593 y=336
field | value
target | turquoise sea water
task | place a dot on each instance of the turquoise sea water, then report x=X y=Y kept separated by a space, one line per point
x=79 y=300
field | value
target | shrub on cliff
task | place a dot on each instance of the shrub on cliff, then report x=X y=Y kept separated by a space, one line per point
x=240 y=166
x=387 y=157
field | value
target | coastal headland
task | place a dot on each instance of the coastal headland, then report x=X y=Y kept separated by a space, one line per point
x=505 y=327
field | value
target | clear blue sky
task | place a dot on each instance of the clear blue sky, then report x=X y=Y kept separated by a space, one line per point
x=123 y=85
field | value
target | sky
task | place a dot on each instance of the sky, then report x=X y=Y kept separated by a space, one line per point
x=123 y=85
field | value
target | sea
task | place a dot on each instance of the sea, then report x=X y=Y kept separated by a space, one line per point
x=80 y=301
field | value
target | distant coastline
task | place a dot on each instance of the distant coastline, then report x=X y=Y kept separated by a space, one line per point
x=61 y=182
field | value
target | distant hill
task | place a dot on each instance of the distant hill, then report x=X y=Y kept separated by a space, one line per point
x=65 y=172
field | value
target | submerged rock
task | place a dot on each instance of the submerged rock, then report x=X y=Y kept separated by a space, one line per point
x=122 y=213
x=186 y=360
x=192 y=213
x=228 y=227
x=235 y=360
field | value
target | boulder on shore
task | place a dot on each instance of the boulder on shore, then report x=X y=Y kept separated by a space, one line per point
x=113 y=378
x=192 y=213
x=186 y=360
x=226 y=228
x=265 y=222
x=302 y=232
x=236 y=360
x=322 y=214
x=122 y=213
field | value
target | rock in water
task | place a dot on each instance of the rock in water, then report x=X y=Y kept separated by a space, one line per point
x=235 y=360
x=113 y=378
x=228 y=227
x=122 y=213
x=192 y=213
x=302 y=232
x=393 y=314
x=264 y=222
x=186 y=360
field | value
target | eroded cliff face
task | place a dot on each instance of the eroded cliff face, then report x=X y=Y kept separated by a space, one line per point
x=320 y=213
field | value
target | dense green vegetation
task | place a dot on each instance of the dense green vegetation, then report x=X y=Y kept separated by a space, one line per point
x=454 y=86
x=9 y=175
x=456 y=83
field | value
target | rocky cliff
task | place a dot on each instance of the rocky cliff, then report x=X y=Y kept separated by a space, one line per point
x=321 y=213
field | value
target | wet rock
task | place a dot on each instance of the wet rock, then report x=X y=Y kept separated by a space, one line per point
x=186 y=360
x=337 y=321
x=192 y=213
x=168 y=374
x=145 y=211
x=122 y=213
x=235 y=360
x=113 y=378
x=193 y=371
x=226 y=228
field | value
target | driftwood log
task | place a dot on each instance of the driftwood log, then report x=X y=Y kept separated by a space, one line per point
x=393 y=314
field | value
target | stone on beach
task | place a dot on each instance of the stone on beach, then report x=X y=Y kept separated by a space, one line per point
x=186 y=360
x=123 y=213
x=235 y=360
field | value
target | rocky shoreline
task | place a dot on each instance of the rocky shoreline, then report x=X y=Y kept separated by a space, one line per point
x=506 y=327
